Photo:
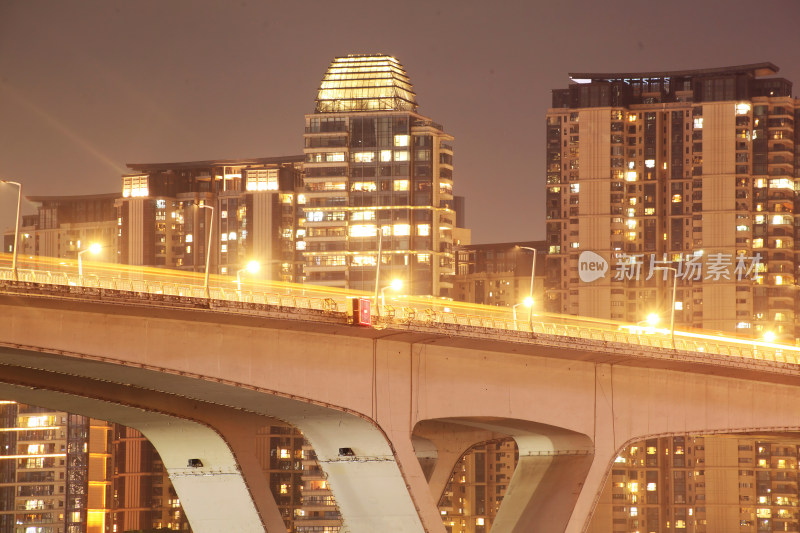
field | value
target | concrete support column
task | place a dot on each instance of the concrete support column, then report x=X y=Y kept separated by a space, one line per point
x=451 y=442
x=605 y=450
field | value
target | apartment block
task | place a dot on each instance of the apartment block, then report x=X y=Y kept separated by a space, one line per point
x=681 y=176
x=500 y=274
x=164 y=217
x=53 y=471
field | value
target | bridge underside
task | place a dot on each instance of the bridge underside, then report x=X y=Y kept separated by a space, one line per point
x=379 y=394
x=218 y=423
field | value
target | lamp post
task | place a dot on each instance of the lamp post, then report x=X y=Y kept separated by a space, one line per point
x=527 y=302
x=530 y=295
x=395 y=285
x=94 y=248
x=252 y=267
x=378 y=270
x=672 y=310
x=16 y=227
x=208 y=248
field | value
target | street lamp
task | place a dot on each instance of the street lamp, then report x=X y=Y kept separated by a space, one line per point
x=672 y=310
x=94 y=248
x=395 y=285
x=378 y=268
x=769 y=336
x=16 y=227
x=252 y=267
x=528 y=301
x=530 y=295
x=208 y=248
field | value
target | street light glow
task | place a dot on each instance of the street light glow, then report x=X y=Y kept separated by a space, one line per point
x=396 y=284
x=769 y=336
x=528 y=301
x=253 y=267
x=95 y=248
x=653 y=319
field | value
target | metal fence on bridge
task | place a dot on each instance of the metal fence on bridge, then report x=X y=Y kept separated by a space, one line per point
x=226 y=294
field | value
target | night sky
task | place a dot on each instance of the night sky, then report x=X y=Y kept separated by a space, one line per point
x=88 y=86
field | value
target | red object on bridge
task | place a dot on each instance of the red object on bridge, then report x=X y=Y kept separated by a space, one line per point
x=364 y=312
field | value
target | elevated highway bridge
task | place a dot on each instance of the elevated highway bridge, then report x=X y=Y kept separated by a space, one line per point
x=389 y=408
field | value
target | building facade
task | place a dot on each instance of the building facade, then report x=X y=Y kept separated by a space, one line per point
x=374 y=166
x=54 y=471
x=254 y=216
x=687 y=170
x=500 y=274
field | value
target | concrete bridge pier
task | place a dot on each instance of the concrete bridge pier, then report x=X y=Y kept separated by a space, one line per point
x=212 y=489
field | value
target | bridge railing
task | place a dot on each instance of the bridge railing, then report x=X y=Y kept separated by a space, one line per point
x=397 y=311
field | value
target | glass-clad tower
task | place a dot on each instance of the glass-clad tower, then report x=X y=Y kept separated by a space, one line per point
x=374 y=164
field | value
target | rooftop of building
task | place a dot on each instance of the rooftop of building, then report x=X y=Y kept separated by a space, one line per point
x=145 y=167
x=74 y=198
x=365 y=82
x=755 y=69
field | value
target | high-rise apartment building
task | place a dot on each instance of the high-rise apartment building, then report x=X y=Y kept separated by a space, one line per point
x=696 y=484
x=374 y=165
x=254 y=215
x=53 y=471
x=691 y=170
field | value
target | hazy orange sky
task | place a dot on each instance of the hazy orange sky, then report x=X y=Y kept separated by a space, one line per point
x=88 y=86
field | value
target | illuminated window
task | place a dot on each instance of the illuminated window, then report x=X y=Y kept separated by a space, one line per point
x=284 y=488
x=364 y=260
x=364 y=157
x=634 y=511
x=423 y=230
x=135 y=186
x=314 y=216
x=742 y=109
x=261 y=179
x=758 y=243
x=633 y=486
x=651 y=487
x=401 y=140
x=386 y=155
x=649 y=210
x=423 y=258
x=650 y=163
x=363 y=230
x=631 y=175
x=300 y=245
x=402 y=229
x=401 y=155
x=232 y=235
x=363 y=215
x=367 y=186
x=574 y=187
x=285 y=453
x=698 y=123
x=400 y=185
